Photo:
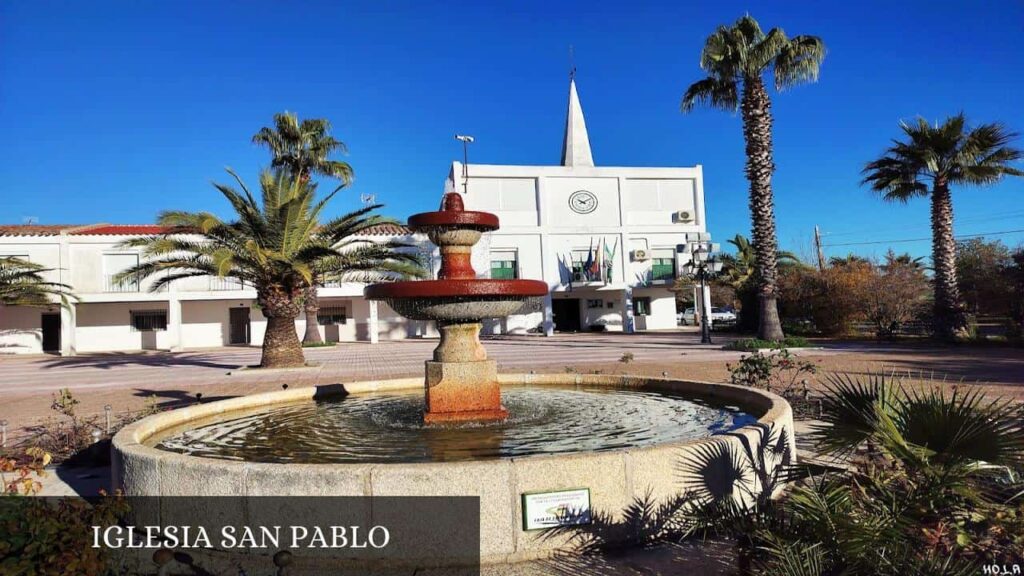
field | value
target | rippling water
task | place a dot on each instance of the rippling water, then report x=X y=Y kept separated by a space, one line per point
x=389 y=427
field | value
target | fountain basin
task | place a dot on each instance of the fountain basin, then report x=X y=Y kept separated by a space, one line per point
x=469 y=300
x=614 y=477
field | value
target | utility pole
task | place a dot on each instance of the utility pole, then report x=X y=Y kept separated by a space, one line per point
x=817 y=246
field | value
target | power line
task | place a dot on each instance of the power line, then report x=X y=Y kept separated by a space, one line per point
x=1000 y=233
x=1011 y=215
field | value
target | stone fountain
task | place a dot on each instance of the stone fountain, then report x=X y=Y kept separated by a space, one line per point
x=461 y=382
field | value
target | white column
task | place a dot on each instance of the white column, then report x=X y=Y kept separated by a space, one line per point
x=627 y=310
x=174 y=323
x=549 y=318
x=371 y=323
x=706 y=304
x=68 y=325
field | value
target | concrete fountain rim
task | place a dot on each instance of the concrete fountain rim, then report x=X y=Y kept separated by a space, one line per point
x=131 y=440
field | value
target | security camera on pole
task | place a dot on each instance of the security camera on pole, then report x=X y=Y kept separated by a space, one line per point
x=702 y=264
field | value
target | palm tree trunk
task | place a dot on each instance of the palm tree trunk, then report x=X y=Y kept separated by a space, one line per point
x=757 y=133
x=950 y=319
x=281 y=347
x=311 y=304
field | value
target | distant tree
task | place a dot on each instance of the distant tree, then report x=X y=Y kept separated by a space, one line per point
x=303 y=148
x=23 y=283
x=981 y=272
x=737 y=58
x=905 y=259
x=943 y=155
x=896 y=293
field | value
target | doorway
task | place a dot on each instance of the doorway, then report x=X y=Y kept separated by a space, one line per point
x=566 y=314
x=51 y=332
x=239 y=330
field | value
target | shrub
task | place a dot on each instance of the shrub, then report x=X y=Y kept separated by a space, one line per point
x=750 y=344
x=777 y=371
x=626 y=358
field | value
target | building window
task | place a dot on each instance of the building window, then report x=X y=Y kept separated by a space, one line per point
x=504 y=265
x=663 y=265
x=331 y=316
x=149 y=320
x=595 y=304
x=642 y=306
x=113 y=264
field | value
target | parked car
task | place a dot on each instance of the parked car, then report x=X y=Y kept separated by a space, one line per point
x=718 y=316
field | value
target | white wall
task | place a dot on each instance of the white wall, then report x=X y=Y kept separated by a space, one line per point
x=20 y=330
x=107 y=327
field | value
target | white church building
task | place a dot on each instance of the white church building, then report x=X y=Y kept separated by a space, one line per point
x=606 y=240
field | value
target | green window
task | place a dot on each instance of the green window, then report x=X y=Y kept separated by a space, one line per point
x=663 y=269
x=642 y=306
x=504 y=266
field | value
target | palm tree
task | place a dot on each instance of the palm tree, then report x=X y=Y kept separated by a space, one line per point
x=736 y=60
x=946 y=154
x=22 y=283
x=740 y=268
x=278 y=246
x=302 y=148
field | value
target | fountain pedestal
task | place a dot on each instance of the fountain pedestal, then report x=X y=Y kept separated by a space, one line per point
x=461 y=383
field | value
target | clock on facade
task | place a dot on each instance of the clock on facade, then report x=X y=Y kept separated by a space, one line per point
x=582 y=202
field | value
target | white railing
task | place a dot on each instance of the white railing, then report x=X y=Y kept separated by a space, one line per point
x=218 y=283
x=125 y=285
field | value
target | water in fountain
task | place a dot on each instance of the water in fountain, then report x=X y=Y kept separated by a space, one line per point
x=389 y=427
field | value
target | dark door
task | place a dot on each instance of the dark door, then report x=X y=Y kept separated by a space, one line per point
x=566 y=312
x=239 y=326
x=51 y=332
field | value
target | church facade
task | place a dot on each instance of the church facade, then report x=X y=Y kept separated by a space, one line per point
x=606 y=239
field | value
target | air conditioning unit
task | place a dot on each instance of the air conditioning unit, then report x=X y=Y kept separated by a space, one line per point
x=639 y=255
x=684 y=216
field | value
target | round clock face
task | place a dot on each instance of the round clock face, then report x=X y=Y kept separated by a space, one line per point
x=582 y=202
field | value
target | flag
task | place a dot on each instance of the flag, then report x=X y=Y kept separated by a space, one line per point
x=595 y=266
x=590 y=261
x=609 y=260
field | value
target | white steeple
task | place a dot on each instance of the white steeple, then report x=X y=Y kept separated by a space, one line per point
x=576 y=144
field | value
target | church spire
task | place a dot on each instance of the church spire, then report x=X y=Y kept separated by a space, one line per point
x=576 y=144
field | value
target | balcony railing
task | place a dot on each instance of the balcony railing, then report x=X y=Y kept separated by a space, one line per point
x=125 y=285
x=217 y=283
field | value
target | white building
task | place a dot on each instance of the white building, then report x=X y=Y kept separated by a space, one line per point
x=627 y=222
x=554 y=219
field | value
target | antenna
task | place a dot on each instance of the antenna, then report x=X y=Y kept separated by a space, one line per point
x=30 y=220
x=466 y=141
x=368 y=199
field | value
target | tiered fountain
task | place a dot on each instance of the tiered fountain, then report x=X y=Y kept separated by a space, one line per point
x=461 y=383
x=621 y=437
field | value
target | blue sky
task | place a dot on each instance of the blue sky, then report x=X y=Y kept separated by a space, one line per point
x=113 y=111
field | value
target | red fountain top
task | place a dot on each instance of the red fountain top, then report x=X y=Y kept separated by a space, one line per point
x=455 y=230
x=453 y=214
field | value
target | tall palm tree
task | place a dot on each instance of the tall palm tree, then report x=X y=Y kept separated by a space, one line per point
x=303 y=148
x=945 y=154
x=22 y=283
x=736 y=59
x=277 y=245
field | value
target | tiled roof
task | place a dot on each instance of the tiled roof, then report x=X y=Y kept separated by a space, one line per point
x=36 y=229
x=121 y=230
x=143 y=229
x=387 y=230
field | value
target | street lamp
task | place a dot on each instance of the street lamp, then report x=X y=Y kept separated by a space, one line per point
x=703 y=265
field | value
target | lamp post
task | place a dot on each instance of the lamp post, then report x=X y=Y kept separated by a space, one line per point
x=703 y=265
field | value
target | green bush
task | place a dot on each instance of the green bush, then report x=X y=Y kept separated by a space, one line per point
x=750 y=344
